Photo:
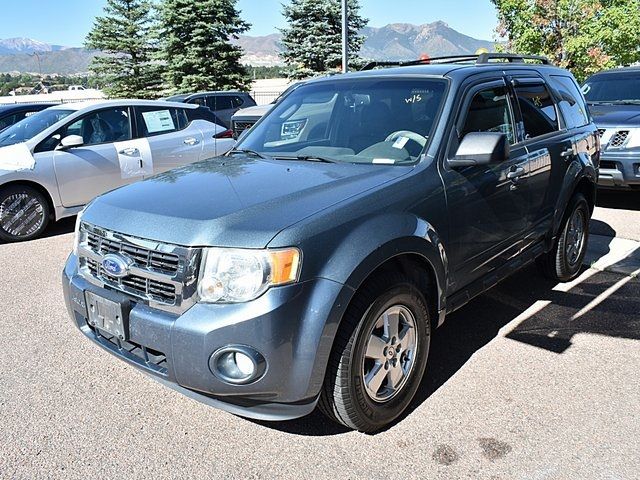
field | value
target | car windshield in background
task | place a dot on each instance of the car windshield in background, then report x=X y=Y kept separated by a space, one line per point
x=377 y=121
x=32 y=126
x=613 y=88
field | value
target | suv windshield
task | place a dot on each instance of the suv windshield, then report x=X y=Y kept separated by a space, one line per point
x=31 y=126
x=613 y=88
x=385 y=121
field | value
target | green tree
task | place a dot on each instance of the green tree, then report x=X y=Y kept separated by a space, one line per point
x=312 y=43
x=126 y=38
x=584 y=36
x=196 y=45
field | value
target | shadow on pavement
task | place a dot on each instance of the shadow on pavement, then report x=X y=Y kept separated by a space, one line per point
x=598 y=227
x=547 y=316
x=624 y=200
x=64 y=226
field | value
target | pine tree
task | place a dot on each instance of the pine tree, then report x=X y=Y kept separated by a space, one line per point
x=312 y=43
x=196 y=45
x=125 y=37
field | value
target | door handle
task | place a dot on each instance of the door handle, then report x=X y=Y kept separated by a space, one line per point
x=515 y=174
x=567 y=153
x=129 y=151
x=191 y=141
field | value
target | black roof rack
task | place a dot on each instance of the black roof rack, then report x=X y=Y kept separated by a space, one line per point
x=481 y=59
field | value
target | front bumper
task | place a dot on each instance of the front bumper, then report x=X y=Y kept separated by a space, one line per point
x=619 y=169
x=292 y=327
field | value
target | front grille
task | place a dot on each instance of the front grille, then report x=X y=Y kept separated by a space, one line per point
x=601 y=132
x=241 y=126
x=153 y=289
x=163 y=275
x=619 y=139
x=142 y=257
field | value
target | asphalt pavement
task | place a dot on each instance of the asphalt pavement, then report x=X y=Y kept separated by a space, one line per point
x=531 y=380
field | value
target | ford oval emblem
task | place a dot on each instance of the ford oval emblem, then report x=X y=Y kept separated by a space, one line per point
x=116 y=265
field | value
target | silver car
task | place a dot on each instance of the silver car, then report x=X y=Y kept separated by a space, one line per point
x=55 y=161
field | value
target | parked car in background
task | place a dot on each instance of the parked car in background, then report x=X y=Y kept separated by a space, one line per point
x=613 y=97
x=310 y=266
x=10 y=114
x=222 y=104
x=55 y=161
x=246 y=118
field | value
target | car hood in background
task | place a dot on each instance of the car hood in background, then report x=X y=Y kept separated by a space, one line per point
x=232 y=202
x=616 y=115
x=252 y=112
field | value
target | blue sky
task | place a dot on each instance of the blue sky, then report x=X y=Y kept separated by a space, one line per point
x=66 y=22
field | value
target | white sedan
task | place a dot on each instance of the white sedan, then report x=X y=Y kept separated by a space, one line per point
x=54 y=162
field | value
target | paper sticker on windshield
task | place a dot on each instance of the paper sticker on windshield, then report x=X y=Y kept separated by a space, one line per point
x=16 y=157
x=384 y=161
x=158 y=121
x=135 y=158
x=400 y=142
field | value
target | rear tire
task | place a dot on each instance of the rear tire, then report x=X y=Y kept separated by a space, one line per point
x=564 y=262
x=24 y=213
x=379 y=356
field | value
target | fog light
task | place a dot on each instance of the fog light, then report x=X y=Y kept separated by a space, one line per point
x=237 y=364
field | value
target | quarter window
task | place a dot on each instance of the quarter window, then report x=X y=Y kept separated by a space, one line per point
x=489 y=112
x=538 y=110
x=571 y=103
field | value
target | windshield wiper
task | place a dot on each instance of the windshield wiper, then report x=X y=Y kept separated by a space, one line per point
x=246 y=151
x=308 y=158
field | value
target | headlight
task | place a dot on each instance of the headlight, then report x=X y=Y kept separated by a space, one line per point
x=231 y=275
x=77 y=237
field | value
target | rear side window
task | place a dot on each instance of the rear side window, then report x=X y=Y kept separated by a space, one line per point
x=236 y=102
x=489 y=112
x=158 y=121
x=571 y=103
x=7 y=121
x=220 y=102
x=538 y=110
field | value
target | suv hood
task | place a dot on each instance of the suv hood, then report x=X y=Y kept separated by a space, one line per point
x=255 y=112
x=232 y=202
x=615 y=115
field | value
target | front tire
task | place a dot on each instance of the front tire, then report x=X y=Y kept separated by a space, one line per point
x=24 y=213
x=564 y=262
x=379 y=356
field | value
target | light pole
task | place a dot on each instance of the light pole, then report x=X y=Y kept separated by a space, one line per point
x=345 y=38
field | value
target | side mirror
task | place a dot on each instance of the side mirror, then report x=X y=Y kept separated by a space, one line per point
x=481 y=148
x=71 y=141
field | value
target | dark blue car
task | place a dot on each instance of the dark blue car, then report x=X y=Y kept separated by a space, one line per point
x=11 y=114
x=311 y=265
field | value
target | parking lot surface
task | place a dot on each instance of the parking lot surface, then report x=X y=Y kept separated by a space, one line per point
x=530 y=381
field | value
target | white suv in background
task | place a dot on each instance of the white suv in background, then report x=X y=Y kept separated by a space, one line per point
x=54 y=162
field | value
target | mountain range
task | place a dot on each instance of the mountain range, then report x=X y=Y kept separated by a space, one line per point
x=397 y=41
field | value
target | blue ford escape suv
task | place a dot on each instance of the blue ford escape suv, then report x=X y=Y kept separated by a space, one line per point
x=310 y=266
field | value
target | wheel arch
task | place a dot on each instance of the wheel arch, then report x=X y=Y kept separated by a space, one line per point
x=36 y=186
